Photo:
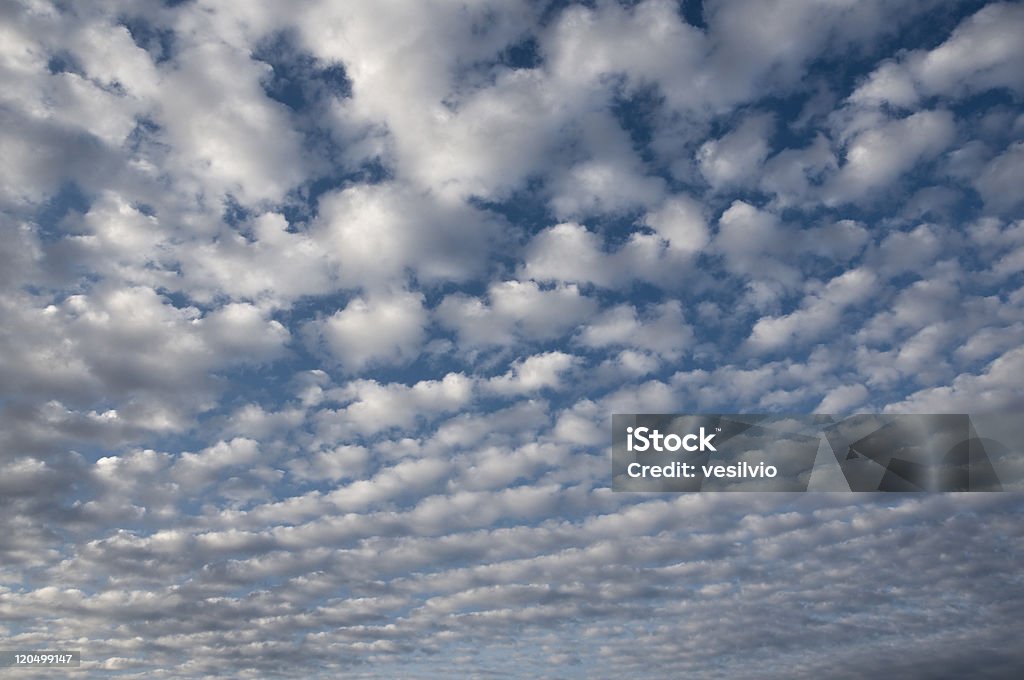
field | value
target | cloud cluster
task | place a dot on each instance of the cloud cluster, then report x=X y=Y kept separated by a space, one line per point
x=312 y=318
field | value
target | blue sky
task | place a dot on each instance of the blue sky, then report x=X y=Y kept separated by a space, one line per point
x=314 y=316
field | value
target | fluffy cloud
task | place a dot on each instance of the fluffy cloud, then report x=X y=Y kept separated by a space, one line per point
x=978 y=56
x=130 y=344
x=515 y=309
x=754 y=244
x=386 y=329
x=999 y=178
x=571 y=253
x=372 y=406
x=377 y=232
x=662 y=330
x=735 y=158
x=534 y=373
x=993 y=390
x=680 y=221
x=819 y=312
x=878 y=156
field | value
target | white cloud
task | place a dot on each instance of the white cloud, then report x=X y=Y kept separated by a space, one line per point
x=194 y=469
x=1000 y=181
x=588 y=44
x=793 y=175
x=382 y=329
x=389 y=483
x=273 y=266
x=611 y=180
x=570 y=252
x=603 y=187
x=680 y=221
x=839 y=241
x=404 y=61
x=762 y=45
x=662 y=329
x=131 y=347
x=754 y=244
x=843 y=398
x=515 y=309
x=981 y=54
x=992 y=391
x=907 y=251
x=340 y=462
x=880 y=155
x=242 y=330
x=224 y=129
x=540 y=371
x=378 y=232
x=821 y=311
x=372 y=407
x=890 y=84
x=735 y=158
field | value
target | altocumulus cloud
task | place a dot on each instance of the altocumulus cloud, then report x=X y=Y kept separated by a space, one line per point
x=312 y=316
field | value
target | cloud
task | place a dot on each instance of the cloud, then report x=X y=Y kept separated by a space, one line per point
x=736 y=157
x=990 y=391
x=223 y=128
x=820 y=310
x=377 y=232
x=842 y=399
x=534 y=373
x=891 y=84
x=753 y=243
x=382 y=329
x=975 y=58
x=999 y=177
x=193 y=469
x=662 y=330
x=372 y=406
x=680 y=221
x=572 y=253
x=878 y=156
x=515 y=309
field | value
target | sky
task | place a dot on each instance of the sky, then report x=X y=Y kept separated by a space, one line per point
x=313 y=316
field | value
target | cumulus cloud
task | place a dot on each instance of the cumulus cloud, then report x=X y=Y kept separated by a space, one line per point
x=371 y=406
x=379 y=329
x=534 y=373
x=377 y=232
x=572 y=253
x=735 y=158
x=680 y=221
x=515 y=310
x=879 y=155
x=662 y=330
x=990 y=391
x=843 y=398
x=819 y=312
x=754 y=244
x=999 y=177
x=978 y=56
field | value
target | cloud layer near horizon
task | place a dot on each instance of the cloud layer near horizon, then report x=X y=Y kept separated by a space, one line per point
x=313 y=316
